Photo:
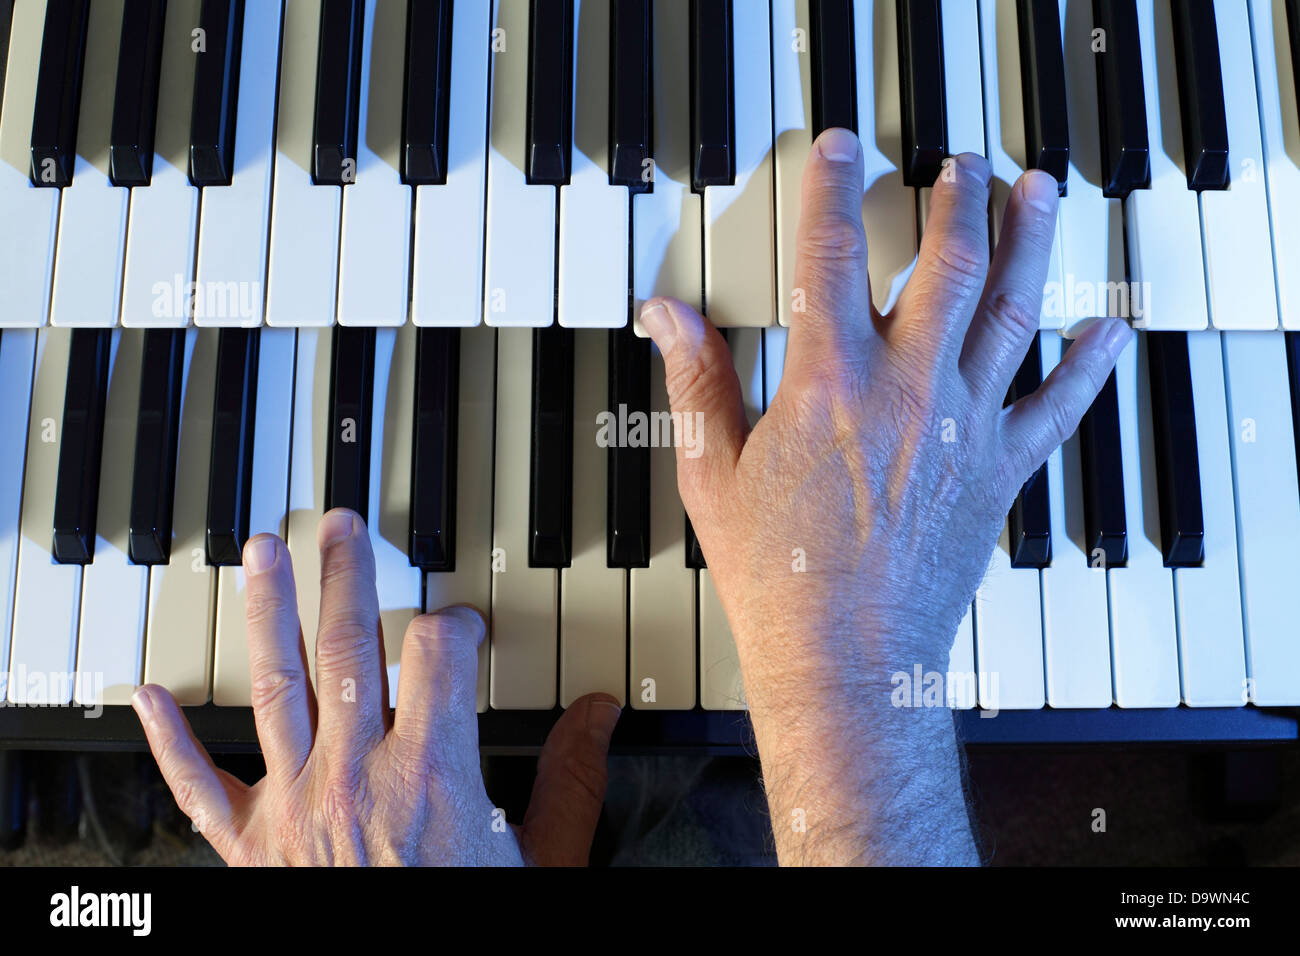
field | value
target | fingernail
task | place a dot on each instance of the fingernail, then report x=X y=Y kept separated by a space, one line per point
x=659 y=325
x=142 y=703
x=335 y=526
x=1117 y=337
x=602 y=715
x=1039 y=189
x=838 y=146
x=259 y=554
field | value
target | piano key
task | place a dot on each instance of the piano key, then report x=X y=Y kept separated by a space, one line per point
x=156 y=433
x=1200 y=94
x=524 y=599
x=233 y=226
x=471 y=582
x=1042 y=77
x=432 y=542
x=352 y=389
x=694 y=554
x=920 y=53
x=302 y=270
x=81 y=444
x=17 y=350
x=135 y=97
x=833 y=73
x=1291 y=29
x=115 y=587
x=1125 y=75
x=375 y=241
x=774 y=345
x=1238 y=264
x=1076 y=629
x=627 y=520
x=519 y=286
x=178 y=642
x=447 y=276
x=1275 y=83
x=1268 y=511
x=594 y=212
x=1162 y=221
x=713 y=94
x=963 y=688
x=31 y=215
x=6 y=23
x=338 y=92
x=661 y=598
x=1178 y=479
x=164 y=218
x=1029 y=525
x=266 y=511
x=631 y=92
x=426 y=93
x=47 y=594
x=1292 y=348
x=1211 y=650
x=739 y=284
x=593 y=593
x=1009 y=634
x=1100 y=448
x=92 y=214
x=58 y=93
x=792 y=123
x=550 y=486
x=234 y=419
x=550 y=91
x=213 y=129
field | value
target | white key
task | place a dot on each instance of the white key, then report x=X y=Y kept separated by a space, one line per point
x=1268 y=511
x=1280 y=132
x=272 y=427
x=31 y=215
x=1076 y=627
x=1208 y=599
x=1238 y=253
x=792 y=120
x=92 y=220
x=963 y=687
x=164 y=216
x=524 y=600
x=1009 y=634
x=593 y=625
x=302 y=272
x=1163 y=222
x=110 y=643
x=233 y=219
x=721 y=686
x=375 y=244
x=739 y=221
x=47 y=596
x=593 y=213
x=667 y=248
x=178 y=643
x=471 y=582
x=17 y=349
x=1144 y=644
x=661 y=602
x=774 y=344
x=519 y=288
x=447 y=283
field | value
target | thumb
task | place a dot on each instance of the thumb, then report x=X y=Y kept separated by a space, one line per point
x=570 y=786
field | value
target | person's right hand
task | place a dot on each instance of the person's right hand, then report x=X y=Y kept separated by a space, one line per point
x=850 y=468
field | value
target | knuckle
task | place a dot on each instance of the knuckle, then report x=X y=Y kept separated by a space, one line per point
x=963 y=258
x=341 y=640
x=833 y=238
x=265 y=607
x=430 y=632
x=275 y=688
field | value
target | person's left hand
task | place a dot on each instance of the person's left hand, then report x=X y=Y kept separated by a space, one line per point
x=349 y=781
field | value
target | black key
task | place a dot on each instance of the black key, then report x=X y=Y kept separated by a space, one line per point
x=834 y=74
x=1121 y=100
x=338 y=92
x=135 y=98
x=694 y=556
x=550 y=488
x=550 y=92
x=157 y=427
x=6 y=23
x=230 y=468
x=433 y=459
x=920 y=78
x=426 y=99
x=1042 y=83
x=1293 y=34
x=628 y=478
x=58 y=93
x=631 y=110
x=1200 y=94
x=1292 y=345
x=713 y=95
x=352 y=393
x=1178 y=470
x=1103 y=480
x=1029 y=522
x=216 y=93
x=81 y=446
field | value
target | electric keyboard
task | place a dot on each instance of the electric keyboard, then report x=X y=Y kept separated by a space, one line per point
x=265 y=258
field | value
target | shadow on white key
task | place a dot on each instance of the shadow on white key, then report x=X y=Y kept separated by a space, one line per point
x=17 y=350
x=792 y=121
